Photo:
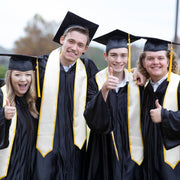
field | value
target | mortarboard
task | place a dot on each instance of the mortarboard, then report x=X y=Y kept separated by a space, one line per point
x=155 y=44
x=72 y=19
x=117 y=39
x=20 y=62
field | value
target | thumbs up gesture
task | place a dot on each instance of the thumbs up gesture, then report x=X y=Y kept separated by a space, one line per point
x=111 y=83
x=9 y=110
x=156 y=113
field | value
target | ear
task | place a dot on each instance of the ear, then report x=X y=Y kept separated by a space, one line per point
x=61 y=39
x=85 y=49
x=105 y=56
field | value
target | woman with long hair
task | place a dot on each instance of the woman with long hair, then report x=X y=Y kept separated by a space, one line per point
x=18 y=119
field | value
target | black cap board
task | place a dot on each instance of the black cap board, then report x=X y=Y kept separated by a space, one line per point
x=72 y=19
x=21 y=62
x=155 y=44
x=116 y=39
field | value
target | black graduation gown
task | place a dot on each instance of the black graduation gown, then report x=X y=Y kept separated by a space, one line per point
x=2 y=82
x=22 y=159
x=66 y=160
x=103 y=117
x=157 y=134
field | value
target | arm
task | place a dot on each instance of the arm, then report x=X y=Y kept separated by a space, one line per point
x=138 y=77
x=4 y=125
x=97 y=114
x=171 y=126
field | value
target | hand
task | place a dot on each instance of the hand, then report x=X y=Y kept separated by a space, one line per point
x=111 y=83
x=9 y=111
x=156 y=113
x=138 y=77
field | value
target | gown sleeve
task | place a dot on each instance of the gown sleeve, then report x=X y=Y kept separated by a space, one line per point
x=97 y=112
x=4 y=125
x=171 y=126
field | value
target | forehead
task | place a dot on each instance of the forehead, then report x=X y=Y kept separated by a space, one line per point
x=21 y=72
x=156 y=53
x=118 y=50
x=77 y=36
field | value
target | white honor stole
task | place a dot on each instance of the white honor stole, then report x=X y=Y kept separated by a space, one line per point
x=134 y=114
x=48 y=110
x=172 y=156
x=5 y=154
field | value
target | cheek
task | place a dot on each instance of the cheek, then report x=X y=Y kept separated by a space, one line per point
x=29 y=79
x=145 y=64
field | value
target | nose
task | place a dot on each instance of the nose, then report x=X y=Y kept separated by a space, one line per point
x=23 y=78
x=119 y=59
x=74 y=47
x=156 y=60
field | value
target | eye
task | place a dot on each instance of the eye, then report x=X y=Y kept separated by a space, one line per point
x=81 y=45
x=149 y=58
x=70 y=41
x=123 y=55
x=160 y=58
x=28 y=74
x=113 y=55
x=17 y=75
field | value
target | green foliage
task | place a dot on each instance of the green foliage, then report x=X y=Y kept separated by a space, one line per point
x=2 y=71
x=96 y=54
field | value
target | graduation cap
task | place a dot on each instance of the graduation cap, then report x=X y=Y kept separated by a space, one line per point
x=71 y=20
x=118 y=39
x=20 y=62
x=155 y=44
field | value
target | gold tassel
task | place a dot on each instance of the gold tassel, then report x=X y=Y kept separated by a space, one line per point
x=129 y=54
x=37 y=74
x=170 y=63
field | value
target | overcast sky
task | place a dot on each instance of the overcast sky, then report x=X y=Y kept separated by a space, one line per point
x=154 y=18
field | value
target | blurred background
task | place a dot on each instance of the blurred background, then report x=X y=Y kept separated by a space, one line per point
x=28 y=27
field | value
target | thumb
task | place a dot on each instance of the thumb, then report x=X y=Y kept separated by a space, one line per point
x=157 y=103
x=110 y=71
x=7 y=102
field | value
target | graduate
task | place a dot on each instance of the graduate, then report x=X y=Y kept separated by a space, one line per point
x=160 y=110
x=115 y=146
x=18 y=119
x=61 y=139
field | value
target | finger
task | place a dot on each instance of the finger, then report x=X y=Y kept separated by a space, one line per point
x=7 y=102
x=110 y=71
x=157 y=103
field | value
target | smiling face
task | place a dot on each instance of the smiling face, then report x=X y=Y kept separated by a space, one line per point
x=156 y=64
x=73 y=45
x=117 y=59
x=21 y=81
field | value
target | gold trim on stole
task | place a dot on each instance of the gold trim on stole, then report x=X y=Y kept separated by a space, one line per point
x=136 y=145
x=5 y=154
x=134 y=121
x=79 y=122
x=47 y=120
x=172 y=156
